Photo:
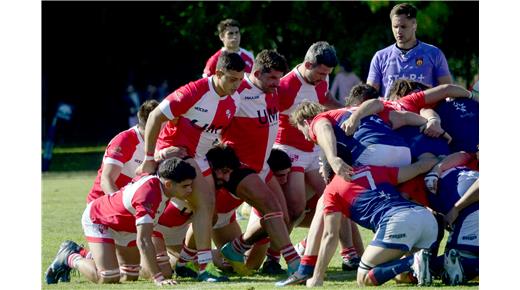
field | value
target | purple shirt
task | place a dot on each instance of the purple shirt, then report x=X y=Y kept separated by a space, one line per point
x=424 y=63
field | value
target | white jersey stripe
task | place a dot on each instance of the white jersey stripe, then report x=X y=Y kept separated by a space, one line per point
x=147 y=219
x=129 y=191
x=109 y=160
x=164 y=106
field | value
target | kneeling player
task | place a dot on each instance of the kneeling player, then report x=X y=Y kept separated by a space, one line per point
x=124 y=220
x=371 y=200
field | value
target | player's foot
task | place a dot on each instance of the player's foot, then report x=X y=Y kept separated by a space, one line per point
x=453 y=273
x=292 y=267
x=236 y=260
x=185 y=272
x=421 y=267
x=271 y=267
x=295 y=279
x=350 y=264
x=208 y=277
x=59 y=268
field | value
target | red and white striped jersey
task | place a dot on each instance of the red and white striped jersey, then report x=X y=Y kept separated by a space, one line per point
x=293 y=90
x=253 y=129
x=197 y=116
x=124 y=150
x=140 y=202
x=211 y=64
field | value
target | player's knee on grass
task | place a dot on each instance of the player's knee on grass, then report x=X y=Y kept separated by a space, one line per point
x=109 y=276
x=363 y=279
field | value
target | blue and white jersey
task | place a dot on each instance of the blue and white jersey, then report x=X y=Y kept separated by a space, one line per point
x=368 y=197
x=420 y=143
x=373 y=130
x=460 y=119
x=424 y=63
x=452 y=185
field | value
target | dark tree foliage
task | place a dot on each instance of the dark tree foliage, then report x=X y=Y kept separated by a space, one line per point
x=92 y=50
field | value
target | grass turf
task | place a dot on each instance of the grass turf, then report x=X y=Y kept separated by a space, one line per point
x=64 y=199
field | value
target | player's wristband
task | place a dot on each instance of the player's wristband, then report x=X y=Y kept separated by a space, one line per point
x=432 y=118
x=149 y=157
x=471 y=95
x=158 y=278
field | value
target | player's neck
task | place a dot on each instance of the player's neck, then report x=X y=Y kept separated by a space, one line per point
x=235 y=50
x=216 y=87
x=301 y=70
x=408 y=45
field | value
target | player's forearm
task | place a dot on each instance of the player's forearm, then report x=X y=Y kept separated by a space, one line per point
x=452 y=160
x=438 y=93
x=147 y=252
x=152 y=130
x=367 y=108
x=326 y=139
x=470 y=196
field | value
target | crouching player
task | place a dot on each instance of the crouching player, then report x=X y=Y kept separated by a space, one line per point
x=371 y=199
x=124 y=220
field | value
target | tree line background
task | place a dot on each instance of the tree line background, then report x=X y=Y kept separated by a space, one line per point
x=92 y=50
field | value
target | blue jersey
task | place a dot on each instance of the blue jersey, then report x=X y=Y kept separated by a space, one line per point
x=424 y=63
x=420 y=143
x=372 y=130
x=460 y=119
x=451 y=187
x=368 y=197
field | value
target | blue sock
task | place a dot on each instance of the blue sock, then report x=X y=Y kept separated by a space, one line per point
x=470 y=267
x=306 y=270
x=384 y=272
x=437 y=265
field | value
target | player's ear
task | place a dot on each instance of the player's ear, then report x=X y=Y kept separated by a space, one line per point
x=257 y=73
x=308 y=64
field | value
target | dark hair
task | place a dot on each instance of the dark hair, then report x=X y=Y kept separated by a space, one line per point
x=224 y=24
x=360 y=93
x=268 y=60
x=279 y=160
x=176 y=170
x=230 y=61
x=145 y=110
x=322 y=52
x=403 y=87
x=405 y=9
x=222 y=156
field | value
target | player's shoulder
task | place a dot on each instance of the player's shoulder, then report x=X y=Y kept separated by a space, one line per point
x=429 y=48
x=247 y=53
x=385 y=51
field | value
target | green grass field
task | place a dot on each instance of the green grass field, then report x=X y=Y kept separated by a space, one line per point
x=63 y=201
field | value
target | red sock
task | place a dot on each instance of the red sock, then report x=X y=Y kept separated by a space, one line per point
x=203 y=258
x=273 y=255
x=289 y=253
x=240 y=245
x=186 y=255
x=349 y=253
x=309 y=260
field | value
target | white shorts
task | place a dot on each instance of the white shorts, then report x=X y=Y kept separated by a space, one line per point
x=172 y=236
x=385 y=155
x=224 y=219
x=465 y=234
x=406 y=228
x=97 y=233
x=302 y=161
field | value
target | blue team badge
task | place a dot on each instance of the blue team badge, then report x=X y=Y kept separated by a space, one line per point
x=419 y=61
